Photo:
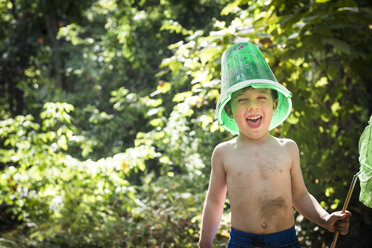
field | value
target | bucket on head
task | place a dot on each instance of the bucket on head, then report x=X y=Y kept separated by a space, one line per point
x=243 y=65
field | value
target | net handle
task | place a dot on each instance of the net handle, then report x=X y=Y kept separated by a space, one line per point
x=346 y=203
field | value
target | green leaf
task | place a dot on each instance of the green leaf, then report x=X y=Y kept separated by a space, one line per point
x=335 y=204
x=179 y=97
x=158 y=122
x=322 y=82
x=292 y=119
x=164 y=87
x=230 y=7
x=62 y=142
x=338 y=44
x=335 y=108
x=207 y=54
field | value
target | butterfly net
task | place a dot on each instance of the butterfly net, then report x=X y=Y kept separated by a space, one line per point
x=365 y=160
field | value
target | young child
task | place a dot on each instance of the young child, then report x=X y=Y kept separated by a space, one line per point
x=261 y=173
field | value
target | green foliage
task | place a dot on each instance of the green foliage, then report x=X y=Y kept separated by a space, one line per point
x=61 y=198
x=113 y=146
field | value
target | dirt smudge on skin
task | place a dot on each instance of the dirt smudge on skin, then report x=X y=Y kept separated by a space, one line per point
x=270 y=208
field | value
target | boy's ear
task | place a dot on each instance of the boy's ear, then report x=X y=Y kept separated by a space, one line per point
x=275 y=105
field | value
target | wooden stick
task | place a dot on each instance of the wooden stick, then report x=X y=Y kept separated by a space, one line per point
x=346 y=203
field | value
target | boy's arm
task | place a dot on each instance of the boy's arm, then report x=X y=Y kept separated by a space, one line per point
x=215 y=201
x=307 y=205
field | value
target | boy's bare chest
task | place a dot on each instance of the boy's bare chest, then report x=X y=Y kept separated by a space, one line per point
x=251 y=164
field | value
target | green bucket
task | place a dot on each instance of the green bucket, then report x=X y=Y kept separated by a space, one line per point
x=243 y=65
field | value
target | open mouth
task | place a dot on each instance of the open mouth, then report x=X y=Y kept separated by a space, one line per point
x=254 y=122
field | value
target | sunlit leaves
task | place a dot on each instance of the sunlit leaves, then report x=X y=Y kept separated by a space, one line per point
x=322 y=82
x=48 y=185
x=231 y=7
x=335 y=108
x=292 y=119
x=58 y=112
x=173 y=26
x=205 y=120
x=72 y=34
x=173 y=64
x=209 y=53
x=163 y=87
x=158 y=122
x=179 y=97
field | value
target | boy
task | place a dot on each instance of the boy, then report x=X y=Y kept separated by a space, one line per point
x=261 y=173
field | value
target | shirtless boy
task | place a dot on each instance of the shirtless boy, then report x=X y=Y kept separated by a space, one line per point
x=260 y=173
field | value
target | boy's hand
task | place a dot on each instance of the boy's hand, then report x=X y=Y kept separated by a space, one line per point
x=338 y=222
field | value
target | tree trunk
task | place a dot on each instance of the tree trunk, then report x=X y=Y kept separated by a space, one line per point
x=57 y=62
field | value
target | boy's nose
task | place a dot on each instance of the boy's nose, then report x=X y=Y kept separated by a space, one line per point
x=252 y=105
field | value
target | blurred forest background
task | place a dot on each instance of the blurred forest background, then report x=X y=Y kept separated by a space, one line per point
x=107 y=113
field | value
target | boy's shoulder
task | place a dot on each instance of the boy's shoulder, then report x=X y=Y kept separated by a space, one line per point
x=226 y=144
x=288 y=144
x=284 y=141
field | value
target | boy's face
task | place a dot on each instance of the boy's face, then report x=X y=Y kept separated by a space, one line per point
x=253 y=110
